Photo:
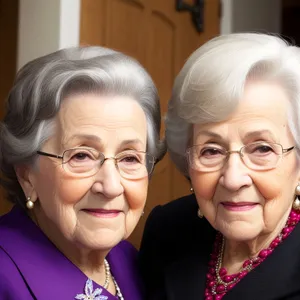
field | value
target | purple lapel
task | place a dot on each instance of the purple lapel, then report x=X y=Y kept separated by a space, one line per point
x=48 y=273
x=123 y=262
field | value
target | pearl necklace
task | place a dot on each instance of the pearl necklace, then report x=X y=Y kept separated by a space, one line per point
x=107 y=274
x=218 y=282
x=119 y=294
x=107 y=279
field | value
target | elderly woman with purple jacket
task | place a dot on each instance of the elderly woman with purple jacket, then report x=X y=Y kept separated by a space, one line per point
x=78 y=143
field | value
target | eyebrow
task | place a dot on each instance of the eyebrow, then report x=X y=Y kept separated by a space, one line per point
x=257 y=133
x=248 y=135
x=98 y=140
x=90 y=137
x=209 y=134
x=131 y=142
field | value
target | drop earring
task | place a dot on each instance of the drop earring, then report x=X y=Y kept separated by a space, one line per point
x=296 y=203
x=29 y=203
x=199 y=213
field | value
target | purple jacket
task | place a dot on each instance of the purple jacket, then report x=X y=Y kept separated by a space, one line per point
x=31 y=267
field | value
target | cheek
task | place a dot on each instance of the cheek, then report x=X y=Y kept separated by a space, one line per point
x=69 y=191
x=58 y=196
x=45 y=183
x=136 y=194
x=276 y=184
x=55 y=189
x=204 y=184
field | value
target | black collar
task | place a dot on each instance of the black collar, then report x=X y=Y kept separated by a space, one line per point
x=278 y=277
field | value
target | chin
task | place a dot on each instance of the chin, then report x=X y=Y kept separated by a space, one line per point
x=240 y=232
x=104 y=241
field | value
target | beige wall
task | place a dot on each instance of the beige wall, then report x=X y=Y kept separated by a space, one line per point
x=46 y=26
x=251 y=15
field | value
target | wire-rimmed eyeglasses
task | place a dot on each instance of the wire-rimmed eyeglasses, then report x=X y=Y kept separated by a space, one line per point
x=256 y=156
x=84 y=162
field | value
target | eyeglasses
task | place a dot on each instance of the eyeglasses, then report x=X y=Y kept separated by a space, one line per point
x=256 y=156
x=84 y=162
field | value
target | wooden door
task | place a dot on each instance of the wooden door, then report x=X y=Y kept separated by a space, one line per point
x=290 y=20
x=161 y=39
x=8 y=58
x=150 y=30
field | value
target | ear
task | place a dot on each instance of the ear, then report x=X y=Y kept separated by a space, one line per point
x=26 y=179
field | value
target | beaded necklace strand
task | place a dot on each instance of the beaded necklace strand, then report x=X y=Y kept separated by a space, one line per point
x=218 y=282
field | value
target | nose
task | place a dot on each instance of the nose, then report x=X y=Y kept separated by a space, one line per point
x=108 y=181
x=235 y=175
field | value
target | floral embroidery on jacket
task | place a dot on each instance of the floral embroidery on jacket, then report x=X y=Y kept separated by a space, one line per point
x=90 y=294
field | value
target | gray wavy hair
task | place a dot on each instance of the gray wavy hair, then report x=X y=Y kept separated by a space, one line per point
x=211 y=83
x=42 y=85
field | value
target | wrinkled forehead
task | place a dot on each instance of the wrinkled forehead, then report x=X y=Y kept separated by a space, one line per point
x=263 y=107
x=100 y=119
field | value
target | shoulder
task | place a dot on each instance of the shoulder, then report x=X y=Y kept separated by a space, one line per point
x=6 y=219
x=174 y=228
x=186 y=203
x=124 y=249
x=123 y=260
x=171 y=226
x=124 y=255
x=8 y=270
x=180 y=214
x=171 y=233
x=12 y=285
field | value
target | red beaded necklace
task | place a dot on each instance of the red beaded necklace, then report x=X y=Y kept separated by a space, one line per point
x=217 y=280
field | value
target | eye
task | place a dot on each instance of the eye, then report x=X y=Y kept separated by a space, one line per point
x=211 y=152
x=264 y=149
x=130 y=159
x=260 y=149
x=80 y=155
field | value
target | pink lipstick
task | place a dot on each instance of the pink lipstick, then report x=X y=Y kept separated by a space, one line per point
x=240 y=206
x=102 y=213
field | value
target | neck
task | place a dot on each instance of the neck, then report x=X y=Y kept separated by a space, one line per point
x=90 y=262
x=236 y=252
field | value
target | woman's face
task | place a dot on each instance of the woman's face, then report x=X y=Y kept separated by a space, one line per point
x=240 y=202
x=94 y=212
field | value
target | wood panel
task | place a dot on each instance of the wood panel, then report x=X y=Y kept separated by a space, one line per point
x=92 y=22
x=8 y=57
x=161 y=39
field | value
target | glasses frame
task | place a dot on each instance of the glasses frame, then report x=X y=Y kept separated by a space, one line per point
x=115 y=158
x=240 y=152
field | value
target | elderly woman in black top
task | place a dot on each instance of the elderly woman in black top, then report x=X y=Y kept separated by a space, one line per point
x=233 y=129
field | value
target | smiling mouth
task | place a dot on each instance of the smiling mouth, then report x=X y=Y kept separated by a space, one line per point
x=241 y=206
x=102 y=213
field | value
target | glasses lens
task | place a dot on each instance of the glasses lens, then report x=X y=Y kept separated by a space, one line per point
x=211 y=157
x=207 y=157
x=262 y=156
x=82 y=161
x=87 y=162
x=135 y=164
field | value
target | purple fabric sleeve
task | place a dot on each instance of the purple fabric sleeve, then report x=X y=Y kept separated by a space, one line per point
x=12 y=285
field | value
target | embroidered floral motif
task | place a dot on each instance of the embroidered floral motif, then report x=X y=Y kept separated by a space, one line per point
x=90 y=294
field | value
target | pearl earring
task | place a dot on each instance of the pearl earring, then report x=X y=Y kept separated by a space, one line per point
x=192 y=190
x=142 y=213
x=199 y=213
x=296 y=203
x=29 y=203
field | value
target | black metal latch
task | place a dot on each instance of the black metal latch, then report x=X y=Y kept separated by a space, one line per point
x=196 y=12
